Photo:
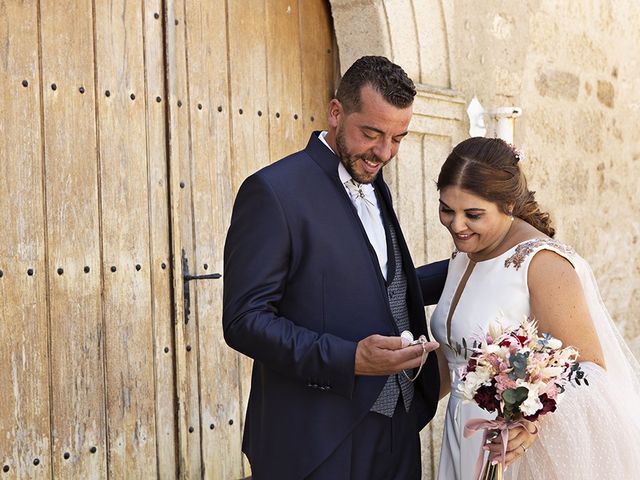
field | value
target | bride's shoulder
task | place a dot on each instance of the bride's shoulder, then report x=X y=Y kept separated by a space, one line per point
x=527 y=249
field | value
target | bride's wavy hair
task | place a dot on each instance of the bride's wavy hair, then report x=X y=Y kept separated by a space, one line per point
x=488 y=168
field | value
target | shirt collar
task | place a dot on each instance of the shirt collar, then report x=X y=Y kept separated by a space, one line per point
x=321 y=136
x=343 y=174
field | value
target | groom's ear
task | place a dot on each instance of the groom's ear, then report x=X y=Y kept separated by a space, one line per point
x=335 y=112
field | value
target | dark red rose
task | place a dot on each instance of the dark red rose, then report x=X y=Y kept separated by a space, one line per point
x=548 y=405
x=471 y=367
x=486 y=397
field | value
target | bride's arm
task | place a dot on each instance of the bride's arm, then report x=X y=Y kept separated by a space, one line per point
x=559 y=306
x=443 y=368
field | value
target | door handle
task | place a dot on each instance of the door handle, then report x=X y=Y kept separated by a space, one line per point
x=186 y=278
x=210 y=276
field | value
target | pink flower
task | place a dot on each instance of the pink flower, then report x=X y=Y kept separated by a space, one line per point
x=503 y=382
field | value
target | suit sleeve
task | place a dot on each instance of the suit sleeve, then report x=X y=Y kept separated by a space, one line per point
x=432 y=279
x=256 y=266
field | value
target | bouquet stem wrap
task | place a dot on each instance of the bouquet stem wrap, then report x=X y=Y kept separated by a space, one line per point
x=499 y=424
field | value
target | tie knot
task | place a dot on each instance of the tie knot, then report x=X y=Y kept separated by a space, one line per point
x=359 y=190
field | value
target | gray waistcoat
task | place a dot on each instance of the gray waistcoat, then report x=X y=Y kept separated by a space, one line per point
x=397 y=294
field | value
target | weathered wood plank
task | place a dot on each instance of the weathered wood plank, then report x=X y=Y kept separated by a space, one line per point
x=317 y=58
x=211 y=196
x=188 y=417
x=73 y=240
x=124 y=200
x=160 y=250
x=284 y=78
x=24 y=416
x=248 y=89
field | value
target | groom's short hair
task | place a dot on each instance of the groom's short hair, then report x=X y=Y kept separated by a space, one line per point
x=384 y=76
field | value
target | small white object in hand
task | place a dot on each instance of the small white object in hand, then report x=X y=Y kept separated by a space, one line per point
x=407 y=337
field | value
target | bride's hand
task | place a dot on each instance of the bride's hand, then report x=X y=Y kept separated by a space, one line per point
x=520 y=439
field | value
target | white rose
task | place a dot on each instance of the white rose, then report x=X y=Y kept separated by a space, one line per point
x=532 y=403
x=472 y=382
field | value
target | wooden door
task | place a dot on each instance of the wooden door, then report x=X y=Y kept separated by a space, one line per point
x=85 y=291
x=241 y=97
x=126 y=129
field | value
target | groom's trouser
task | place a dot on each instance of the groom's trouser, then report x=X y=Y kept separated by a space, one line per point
x=379 y=448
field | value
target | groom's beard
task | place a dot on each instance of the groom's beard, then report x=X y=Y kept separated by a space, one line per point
x=350 y=161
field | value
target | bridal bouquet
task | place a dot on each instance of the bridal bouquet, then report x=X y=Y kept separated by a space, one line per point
x=519 y=375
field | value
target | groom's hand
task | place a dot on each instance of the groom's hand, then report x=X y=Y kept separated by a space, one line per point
x=380 y=355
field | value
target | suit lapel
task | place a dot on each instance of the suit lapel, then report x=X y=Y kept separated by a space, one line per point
x=391 y=256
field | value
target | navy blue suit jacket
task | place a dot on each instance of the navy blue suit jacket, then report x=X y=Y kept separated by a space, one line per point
x=302 y=286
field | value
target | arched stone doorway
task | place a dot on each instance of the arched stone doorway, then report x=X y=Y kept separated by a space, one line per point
x=411 y=33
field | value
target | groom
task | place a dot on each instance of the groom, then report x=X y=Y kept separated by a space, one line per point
x=319 y=284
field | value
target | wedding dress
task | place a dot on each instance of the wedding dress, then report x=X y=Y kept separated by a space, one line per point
x=595 y=431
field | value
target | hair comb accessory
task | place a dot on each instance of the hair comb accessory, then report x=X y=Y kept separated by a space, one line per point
x=517 y=153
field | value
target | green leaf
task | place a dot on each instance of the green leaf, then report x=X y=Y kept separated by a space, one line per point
x=515 y=396
x=518 y=363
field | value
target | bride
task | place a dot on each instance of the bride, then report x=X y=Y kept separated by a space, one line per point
x=506 y=267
